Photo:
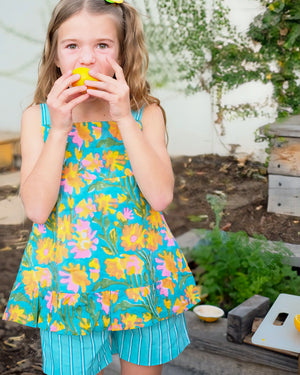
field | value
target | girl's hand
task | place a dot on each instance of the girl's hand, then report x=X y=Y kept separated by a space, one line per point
x=114 y=91
x=62 y=99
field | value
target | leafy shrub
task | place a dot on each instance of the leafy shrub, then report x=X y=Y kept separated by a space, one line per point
x=233 y=267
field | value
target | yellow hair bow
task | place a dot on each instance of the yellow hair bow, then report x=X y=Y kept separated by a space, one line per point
x=114 y=1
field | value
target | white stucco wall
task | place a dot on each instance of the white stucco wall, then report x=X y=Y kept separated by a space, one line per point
x=190 y=125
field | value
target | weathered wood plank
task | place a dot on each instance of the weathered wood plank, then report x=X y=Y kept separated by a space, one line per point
x=210 y=339
x=284 y=195
x=287 y=128
x=285 y=158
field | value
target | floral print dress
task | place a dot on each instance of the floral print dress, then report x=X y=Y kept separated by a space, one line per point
x=104 y=259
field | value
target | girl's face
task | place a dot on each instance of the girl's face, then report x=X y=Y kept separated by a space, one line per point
x=86 y=39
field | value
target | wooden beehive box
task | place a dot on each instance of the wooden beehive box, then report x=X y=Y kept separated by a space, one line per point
x=9 y=148
x=284 y=167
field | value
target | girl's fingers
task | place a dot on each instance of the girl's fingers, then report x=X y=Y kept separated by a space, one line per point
x=117 y=69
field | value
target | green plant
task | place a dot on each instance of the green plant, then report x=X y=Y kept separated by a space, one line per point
x=234 y=267
x=277 y=31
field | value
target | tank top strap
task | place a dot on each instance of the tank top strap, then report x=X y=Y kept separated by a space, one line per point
x=46 y=121
x=138 y=116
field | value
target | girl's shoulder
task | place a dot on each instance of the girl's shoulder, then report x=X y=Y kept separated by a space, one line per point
x=32 y=115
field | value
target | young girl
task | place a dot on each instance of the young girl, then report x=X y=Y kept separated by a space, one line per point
x=101 y=273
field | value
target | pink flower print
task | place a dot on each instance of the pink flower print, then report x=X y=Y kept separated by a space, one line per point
x=168 y=264
x=92 y=162
x=88 y=177
x=127 y=213
x=75 y=277
x=76 y=139
x=168 y=237
x=166 y=286
x=104 y=299
x=42 y=228
x=84 y=240
x=80 y=134
x=51 y=298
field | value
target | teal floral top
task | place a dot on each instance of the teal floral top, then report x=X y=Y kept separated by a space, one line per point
x=104 y=259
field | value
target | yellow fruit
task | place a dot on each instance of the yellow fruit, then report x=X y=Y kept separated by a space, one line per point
x=297 y=322
x=84 y=75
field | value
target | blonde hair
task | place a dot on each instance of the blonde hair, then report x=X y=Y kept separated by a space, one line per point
x=133 y=53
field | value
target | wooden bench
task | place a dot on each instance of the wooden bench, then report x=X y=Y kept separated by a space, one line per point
x=9 y=148
x=284 y=167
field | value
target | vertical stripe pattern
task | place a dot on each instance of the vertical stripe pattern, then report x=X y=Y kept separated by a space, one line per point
x=88 y=355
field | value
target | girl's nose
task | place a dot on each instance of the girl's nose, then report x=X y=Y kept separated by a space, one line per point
x=87 y=56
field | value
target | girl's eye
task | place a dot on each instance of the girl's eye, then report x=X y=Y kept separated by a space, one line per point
x=102 y=45
x=72 y=46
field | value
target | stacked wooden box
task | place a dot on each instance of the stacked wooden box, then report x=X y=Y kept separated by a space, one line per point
x=284 y=167
x=9 y=148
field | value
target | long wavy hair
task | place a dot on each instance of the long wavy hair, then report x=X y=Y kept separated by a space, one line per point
x=133 y=53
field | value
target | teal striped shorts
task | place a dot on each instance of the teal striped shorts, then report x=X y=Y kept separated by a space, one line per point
x=88 y=355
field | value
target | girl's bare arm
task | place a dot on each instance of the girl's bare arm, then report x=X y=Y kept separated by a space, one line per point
x=41 y=166
x=149 y=158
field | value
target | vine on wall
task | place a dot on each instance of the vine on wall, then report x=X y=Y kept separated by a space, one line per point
x=277 y=30
x=209 y=54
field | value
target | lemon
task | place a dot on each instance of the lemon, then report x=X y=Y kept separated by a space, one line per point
x=84 y=75
x=297 y=322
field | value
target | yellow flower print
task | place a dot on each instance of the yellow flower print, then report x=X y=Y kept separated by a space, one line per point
x=180 y=305
x=133 y=264
x=114 y=268
x=133 y=237
x=128 y=172
x=115 y=325
x=85 y=324
x=181 y=262
x=192 y=294
x=137 y=294
x=30 y=283
x=97 y=130
x=84 y=133
x=153 y=239
x=147 y=317
x=114 y=130
x=70 y=202
x=122 y=198
x=106 y=321
x=74 y=277
x=78 y=154
x=64 y=228
x=92 y=162
x=155 y=219
x=69 y=299
x=56 y=326
x=106 y=203
x=61 y=253
x=166 y=286
x=167 y=303
x=16 y=314
x=45 y=251
x=94 y=269
x=131 y=321
x=167 y=264
x=85 y=208
x=114 y=160
x=71 y=179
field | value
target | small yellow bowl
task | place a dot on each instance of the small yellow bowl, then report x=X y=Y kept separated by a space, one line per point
x=208 y=313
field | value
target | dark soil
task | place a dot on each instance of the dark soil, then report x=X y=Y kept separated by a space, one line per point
x=246 y=187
